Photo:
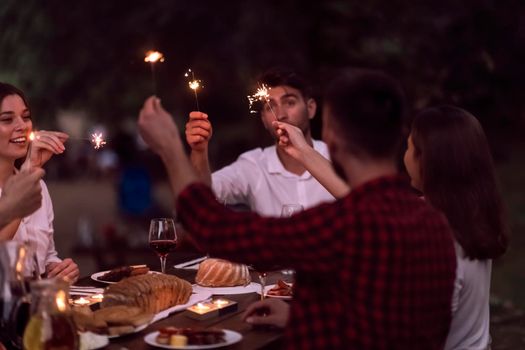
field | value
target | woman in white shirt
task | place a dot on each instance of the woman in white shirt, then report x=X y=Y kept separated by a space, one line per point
x=37 y=228
x=449 y=161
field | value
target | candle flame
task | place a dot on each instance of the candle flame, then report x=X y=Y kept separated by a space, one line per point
x=260 y=95
x=32 y=136
x=154 y=56
x=97 y=140
x=61 y=300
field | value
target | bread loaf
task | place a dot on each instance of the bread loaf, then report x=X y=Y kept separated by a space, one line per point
x=222 y=273
x=151 y=293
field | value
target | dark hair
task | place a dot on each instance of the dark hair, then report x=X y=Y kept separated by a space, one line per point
x=279 y=76
x=8 y=89
x=368 y=108
x=458 y=178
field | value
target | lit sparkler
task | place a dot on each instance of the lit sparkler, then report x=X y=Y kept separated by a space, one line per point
x=153 y=57
x=194 y=84
x=97 y=140
x=27 y=162
x=261 y=95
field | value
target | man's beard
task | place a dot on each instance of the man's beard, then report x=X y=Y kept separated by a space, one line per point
x=339 y=170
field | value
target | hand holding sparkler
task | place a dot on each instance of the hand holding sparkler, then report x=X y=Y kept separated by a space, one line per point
x=157 y=127
x=291 y=139
x=42 y=146
x=198 y=131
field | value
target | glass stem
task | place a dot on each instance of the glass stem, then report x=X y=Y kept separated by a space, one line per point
x=163 y=264
x=262 y=279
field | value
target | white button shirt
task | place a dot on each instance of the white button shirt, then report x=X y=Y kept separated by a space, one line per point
x=258 y=179
x=37 y=230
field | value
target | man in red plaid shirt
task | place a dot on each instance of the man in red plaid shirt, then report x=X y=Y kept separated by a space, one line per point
x=375 y=269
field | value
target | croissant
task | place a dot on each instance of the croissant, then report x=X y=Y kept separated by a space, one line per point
x=151 y=293
x=222 y=273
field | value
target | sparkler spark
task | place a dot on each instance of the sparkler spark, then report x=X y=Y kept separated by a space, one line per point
x=154 y=56
x=261 y=95
x=97 y=140
x=194 y=84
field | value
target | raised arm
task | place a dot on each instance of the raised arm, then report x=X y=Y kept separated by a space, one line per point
x=198 y=135
x=161 y=133
x=292 y=141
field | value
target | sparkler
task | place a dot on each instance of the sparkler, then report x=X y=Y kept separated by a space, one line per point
x=97 y=140
x=153 y=57
x=27 y=162
x=194 y=85
x=261 y=95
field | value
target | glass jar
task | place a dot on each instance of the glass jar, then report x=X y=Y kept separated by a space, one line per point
x=14 y=301
x=50 y=325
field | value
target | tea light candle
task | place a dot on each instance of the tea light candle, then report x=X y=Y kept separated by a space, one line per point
x=97 y=297
x=220 y=303
x=209 y=309
x=81 y=301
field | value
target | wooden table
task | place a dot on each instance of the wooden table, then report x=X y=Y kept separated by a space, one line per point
x=253 y=338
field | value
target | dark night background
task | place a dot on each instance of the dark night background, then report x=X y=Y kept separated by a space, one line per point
x=81 y=64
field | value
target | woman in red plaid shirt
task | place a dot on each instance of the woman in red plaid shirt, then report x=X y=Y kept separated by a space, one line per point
x=375 y=269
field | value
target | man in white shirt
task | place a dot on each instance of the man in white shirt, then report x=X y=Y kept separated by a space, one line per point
x=265 y=179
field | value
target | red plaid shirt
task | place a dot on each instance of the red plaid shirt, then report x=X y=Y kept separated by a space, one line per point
x=375 y=270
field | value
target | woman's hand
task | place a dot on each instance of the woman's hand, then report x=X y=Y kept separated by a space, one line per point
x=44 y=146
x=66 y=269
x=274 y=312
x=291 y=140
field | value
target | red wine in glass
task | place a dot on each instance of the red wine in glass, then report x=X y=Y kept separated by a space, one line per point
x=162 y=238
x=163 y=246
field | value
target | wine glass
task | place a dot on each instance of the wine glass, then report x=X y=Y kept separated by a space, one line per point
x=290 y=209
x=287 y=211
x=162 y=238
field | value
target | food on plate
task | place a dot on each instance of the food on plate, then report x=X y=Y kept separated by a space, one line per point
x=120 y=273
x=178 y=340
x=281 y=289
x=151 y=292
x=222 y=273
x=194 y=336
x=113 y=320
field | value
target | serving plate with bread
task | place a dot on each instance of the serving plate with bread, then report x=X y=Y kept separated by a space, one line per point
x=219 y=276
x=136 y=302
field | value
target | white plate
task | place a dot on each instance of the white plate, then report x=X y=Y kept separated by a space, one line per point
x=196 y=297
x=96 y=275
x=267 y=288
x=231 y=337
x=87 y=339
x=250 y=288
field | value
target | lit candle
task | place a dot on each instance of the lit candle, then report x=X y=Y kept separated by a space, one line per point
x=81 y=301
x=220 y=302
x=97 y=297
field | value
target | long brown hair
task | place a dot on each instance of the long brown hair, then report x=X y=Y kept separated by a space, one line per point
x=458 y=178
